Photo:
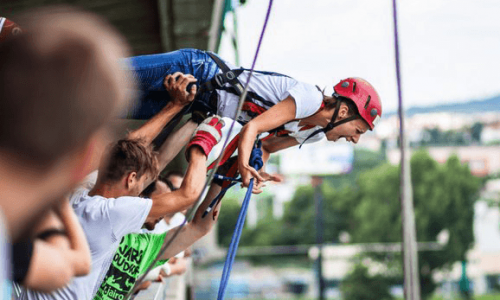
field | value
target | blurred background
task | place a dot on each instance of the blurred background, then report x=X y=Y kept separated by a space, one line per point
x=340 y=200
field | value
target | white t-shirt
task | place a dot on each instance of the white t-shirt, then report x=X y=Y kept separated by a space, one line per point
x=272 y=89
x=105 y=221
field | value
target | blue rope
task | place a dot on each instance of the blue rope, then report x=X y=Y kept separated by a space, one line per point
x=257 y=163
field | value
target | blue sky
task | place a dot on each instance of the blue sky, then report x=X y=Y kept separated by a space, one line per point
x=450 y=50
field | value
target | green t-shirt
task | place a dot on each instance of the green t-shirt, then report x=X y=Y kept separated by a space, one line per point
x=134 y=255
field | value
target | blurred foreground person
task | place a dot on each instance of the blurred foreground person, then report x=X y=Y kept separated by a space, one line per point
x=59 y=235
x=59 y=85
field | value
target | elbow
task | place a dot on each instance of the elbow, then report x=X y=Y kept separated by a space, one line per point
x=250 y=127
x=190 y=195
x=266 y=147
x=51 y=281
x=84 y=266
x=202 y=229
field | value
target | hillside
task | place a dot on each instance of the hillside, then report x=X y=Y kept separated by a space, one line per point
x=491 y=104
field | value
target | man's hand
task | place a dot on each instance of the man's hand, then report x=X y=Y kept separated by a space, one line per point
x=257 y=187
x=176 y=84
x=207 y=135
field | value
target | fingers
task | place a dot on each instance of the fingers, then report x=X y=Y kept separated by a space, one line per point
x=276 y=178
x=257 y=188
x=250 y=173
x=183 y=81
x=256 y=175
x=192 y=92
x=179 y=79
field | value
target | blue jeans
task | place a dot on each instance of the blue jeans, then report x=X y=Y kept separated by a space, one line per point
x=150 y=70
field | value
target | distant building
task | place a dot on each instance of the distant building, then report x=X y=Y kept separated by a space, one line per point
x=490 y=133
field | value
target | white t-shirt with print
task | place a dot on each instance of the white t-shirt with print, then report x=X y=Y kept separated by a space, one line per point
x=105 y=221
x=274 y=88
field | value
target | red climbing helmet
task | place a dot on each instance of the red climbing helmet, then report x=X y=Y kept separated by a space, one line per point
x=8 y=29
x=364 y=96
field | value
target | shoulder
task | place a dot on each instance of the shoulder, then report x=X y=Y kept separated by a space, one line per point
x=307 y=98
x=128 y=203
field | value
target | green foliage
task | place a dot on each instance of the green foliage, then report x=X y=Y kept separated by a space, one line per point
x=359 y=285
x=366 y=204
x=227 y=220
x=443 y=197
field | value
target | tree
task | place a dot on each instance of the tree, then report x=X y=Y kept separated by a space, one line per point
x=476 y=131
x=443 y=196
x=227 y=220
x=359 y=285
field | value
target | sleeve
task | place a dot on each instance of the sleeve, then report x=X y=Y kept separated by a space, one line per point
x=21 y=257
x=307 y=99
x=301 y=136
x=127 y=214
x=154 y=245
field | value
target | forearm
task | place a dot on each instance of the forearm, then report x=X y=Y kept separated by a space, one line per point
x=174 y=143
x=153 y=126
x=46 y=274
x=79 y=249
x=189 y=191
x=193 y=182
x=195 y=229
x=247 y=139
x=204 y=225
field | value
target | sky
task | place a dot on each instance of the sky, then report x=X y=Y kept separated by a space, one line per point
x=450 y=50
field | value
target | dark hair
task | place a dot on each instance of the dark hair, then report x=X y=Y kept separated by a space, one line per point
x=174 y=173
x=152 y=187
x=331 y=103
x=127 y=156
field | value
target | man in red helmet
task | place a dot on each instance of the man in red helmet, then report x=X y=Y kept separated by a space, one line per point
x=295 y=112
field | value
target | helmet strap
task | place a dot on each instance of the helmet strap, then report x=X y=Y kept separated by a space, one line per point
x=332 y=123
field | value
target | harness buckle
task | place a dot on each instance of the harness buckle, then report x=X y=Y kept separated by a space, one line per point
x=230 y=75
x=219 y=80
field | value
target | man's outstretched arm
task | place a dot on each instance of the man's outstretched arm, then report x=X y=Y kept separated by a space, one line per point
x=174 y=143
x=176 y=85
x=197 y=228
x=207 y=135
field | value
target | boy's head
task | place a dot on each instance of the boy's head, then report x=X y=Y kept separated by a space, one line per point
x=157 y=187
x=355 y=108
x=129 y=164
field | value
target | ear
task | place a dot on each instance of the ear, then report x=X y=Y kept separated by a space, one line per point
x=130 y=180
x=343 y=112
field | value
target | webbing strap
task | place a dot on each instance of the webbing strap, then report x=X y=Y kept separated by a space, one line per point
x=227 y=76
x=332 y=123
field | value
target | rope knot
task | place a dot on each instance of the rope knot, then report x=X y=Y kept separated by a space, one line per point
x=256 y=157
